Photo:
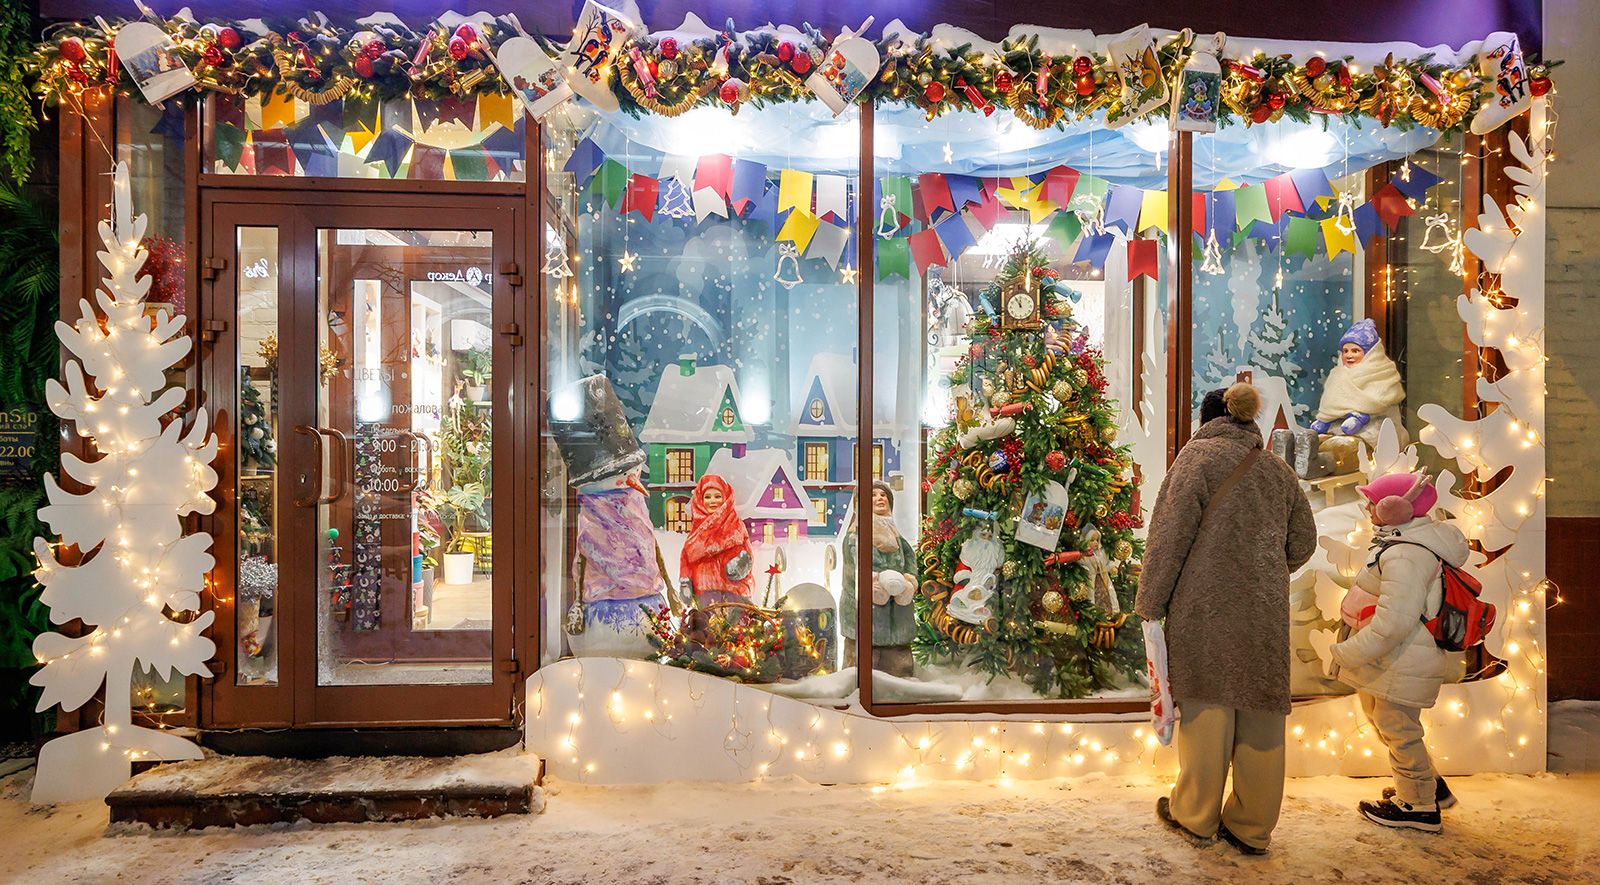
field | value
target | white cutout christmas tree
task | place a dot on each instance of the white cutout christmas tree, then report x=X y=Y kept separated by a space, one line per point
x=137 y=589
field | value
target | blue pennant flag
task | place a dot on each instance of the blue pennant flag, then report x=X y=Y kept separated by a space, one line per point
x=1122 y=207
x=316 y=156
x=749 y=184
x=1367 y=223
x=389 y=148
x=1094 y=250
x=585 y=159
x=1416 y=187
x=963 y=190
x=955 y=234
x=765 y=210
x=1220 y=212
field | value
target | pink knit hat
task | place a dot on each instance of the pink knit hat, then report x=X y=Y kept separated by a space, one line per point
x=1400 y=497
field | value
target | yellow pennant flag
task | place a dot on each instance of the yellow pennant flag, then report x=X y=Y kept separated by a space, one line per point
x=1016 y=196
x=1226 y=185
x=1038 y=207
x=800 y=226
x=794 y=192
x=360 y=137
x=277 y=111
x=495 y=107
x=1153 y=211
x=1337 y=240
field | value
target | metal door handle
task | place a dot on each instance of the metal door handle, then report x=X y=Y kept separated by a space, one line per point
x=339 y=482
x=316 y=468
x=417 y=479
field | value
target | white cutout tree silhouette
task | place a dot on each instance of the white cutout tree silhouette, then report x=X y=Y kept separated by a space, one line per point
x=138 y=586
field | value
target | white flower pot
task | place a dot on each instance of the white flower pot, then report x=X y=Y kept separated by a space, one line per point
x=478 y=394
x=458 y=568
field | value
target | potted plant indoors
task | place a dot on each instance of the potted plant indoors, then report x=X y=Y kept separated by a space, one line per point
x=476 y=363
x=459 y=503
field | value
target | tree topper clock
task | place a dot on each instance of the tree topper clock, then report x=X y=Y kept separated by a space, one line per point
x=1019 y=302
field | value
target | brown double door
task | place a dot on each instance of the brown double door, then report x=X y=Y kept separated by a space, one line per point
x=358 y=363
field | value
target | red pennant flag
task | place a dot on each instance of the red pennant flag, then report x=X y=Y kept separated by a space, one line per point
x=926 y=250
x=1143 y=260
x=1059 y=183
x=1199 y=212
x=917 y=207
x=640 y=196
x=1282 y=196
x=716 y=172
x=935 y=195
x=1391 y=205
x=987 y=212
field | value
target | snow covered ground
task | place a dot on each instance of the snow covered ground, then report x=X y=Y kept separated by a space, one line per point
x=1089 y=829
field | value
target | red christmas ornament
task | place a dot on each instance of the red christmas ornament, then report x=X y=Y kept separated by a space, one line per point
x=363 y=67
x=76 y=74
x=229 y=39
x=801 y=63
x=1539 y=86
x=785 y=52
x=1276 y=100
x=373 y=49
x=467 y=32
x=458 y=49
x=668 y=47
x=933 y=92
x=1003 y=82
x=1260 y=113
x=729 y=91
x=1315 y=65
x=1344 y=76
x=1082 y=65
x=1085 y=85
x=72 y=50
x=212 y=56
x=1055 y=460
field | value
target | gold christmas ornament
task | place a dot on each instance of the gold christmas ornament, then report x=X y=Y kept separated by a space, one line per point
x=1009 y=568
x=1123 y=551
x=1052 y=601
x=1100 y=510
x=1062 y=391
x=1080 y=377
x=964 y=488
x=1109 y=433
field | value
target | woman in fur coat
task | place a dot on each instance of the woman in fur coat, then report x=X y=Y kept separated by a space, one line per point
x=716 y=560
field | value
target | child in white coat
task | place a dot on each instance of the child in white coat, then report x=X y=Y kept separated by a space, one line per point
x=1391 y=658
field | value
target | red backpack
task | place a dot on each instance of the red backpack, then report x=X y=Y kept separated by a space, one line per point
x=1463 y=620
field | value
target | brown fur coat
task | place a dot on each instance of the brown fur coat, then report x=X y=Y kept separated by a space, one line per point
x=1224 y=588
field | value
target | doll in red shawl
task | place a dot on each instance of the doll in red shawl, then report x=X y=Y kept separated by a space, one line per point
x=716 y=559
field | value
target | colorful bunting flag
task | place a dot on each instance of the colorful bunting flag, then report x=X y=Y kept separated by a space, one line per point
x=1059 y=183
x=1220 y=213
x=1415 y=182
x=1391 y=205
x=1302 y=236
x=926 y=251
x=472 y=164
x=936 y=199
x=1122 y=207
x=641 y=196
x=1281 y=196
x=833 y=202
x=964 y=190
x=1337 y=240
x=586 y=157
x=894 y=258
x=1250 y=207
x=987 y=212
x=1153 y=211
x=1064 y=228
x=1311 y=184
x=716 y=172
x=827 y=243
x=799 y=228
x=277 y=112
x=708 y=202
x=1094 y=249
x=794 y=190
x=1144 y=260
x=1367 y=223
x=749 y=183
x=610 y=180
x=955 y=234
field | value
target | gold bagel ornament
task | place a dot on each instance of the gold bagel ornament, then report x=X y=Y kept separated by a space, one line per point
x=1105 y=632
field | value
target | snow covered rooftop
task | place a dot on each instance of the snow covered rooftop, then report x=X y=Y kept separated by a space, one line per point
x=688 y=406
x=834 y=375
x=752 y=474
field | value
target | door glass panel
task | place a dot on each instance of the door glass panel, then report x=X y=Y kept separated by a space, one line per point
x=404 y=414
x=257 y=455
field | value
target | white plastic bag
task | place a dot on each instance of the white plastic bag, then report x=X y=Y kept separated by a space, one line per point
x=1162 y=715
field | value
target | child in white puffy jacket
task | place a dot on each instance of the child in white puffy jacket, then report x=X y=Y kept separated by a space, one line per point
x=1390 y=657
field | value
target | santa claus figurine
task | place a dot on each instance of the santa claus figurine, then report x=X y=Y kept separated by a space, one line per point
x=977 y=577
x=716 y=559
x=1364 y=385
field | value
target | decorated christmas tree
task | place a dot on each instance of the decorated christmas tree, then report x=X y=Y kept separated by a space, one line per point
x=1027 y=547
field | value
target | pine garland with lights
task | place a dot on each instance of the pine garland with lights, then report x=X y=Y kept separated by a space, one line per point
x=318 y=62
x=1046 y=629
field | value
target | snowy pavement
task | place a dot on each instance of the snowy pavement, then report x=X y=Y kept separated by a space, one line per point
x=1090 y=829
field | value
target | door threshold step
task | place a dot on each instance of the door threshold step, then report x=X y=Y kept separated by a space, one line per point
x=232 y=791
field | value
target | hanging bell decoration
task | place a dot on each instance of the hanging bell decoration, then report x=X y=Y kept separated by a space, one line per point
x=788 y=273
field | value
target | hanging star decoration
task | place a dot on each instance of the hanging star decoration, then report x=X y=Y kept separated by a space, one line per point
x=1344 y=217
x=1277 y=280
x=1405 y=170
x=1211 y=262
x=555 y=262
x=847 y=275
x=627 y=261
x=949 y=155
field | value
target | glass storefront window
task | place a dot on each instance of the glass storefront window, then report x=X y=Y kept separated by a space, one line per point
x=257 y=454
x=475 y=138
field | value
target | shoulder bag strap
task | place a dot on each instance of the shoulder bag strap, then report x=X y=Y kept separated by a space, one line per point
x=1233 y=479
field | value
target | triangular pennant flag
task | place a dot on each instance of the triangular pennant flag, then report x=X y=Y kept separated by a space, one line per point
x=1415 y=182
x=1302 y=236
x=964 y=189
x=1094 y=249
x=707 y=203
x=1014 y=191
x=229 y=111
x=749 y=183
x=1336 y=239
x=1038 y=207
x=389 y=148
x=1219 y=212
x=272 y=152
x=1064 y=228
x=936 y=199
x=229 y=140
x=1282 y=196
x=1059 y=183
x=427 y=113
x=316 y=157
x=641 y=196
x=1311 y=184
x=504 y=146
x=716 y=172
x=586 y=157
x=833 y=202
x=1250 y=206
x=794 y=190
x=1367 y=223
x=360 y=137
x=765 y=210
x=799 y=228
x=1144 y=259
x=926 y=250
x=1153 y=211
x=1122 y=207
x=678 y=166
x=894 y=258
x=277 y=112
x=1269 y=233
x=955 y=234
x=427 y=163
x=1391 y=205
x=988 y=211
x=495 y=107
x=469 y=164
x=827 y=243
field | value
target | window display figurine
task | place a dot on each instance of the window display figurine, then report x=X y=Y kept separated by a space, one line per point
x=1364 y=385
x=894 y=586
x=619 y=570
x=1097 y=561
x=977 y=577
x=716 y=560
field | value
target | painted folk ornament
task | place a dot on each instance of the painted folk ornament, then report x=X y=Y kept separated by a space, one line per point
x=846 y=69
x=533 y=74
x=1505 y=76
x=595 y=49
x=1199 y=93
x=1138 y=70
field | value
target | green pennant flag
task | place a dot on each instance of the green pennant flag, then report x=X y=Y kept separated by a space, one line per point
x=1093 y=185
x=610 y=180
x=1250 y=206
x=899 y=187
x=229 y=140
x=470 y=164
x=1303 y=236
x=1064 y=229
x=894 y=258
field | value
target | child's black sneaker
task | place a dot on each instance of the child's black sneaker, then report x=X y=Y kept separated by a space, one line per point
x=1244 y=847
x=1164 y=811
x=1393 y=813
x=1442 y=796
